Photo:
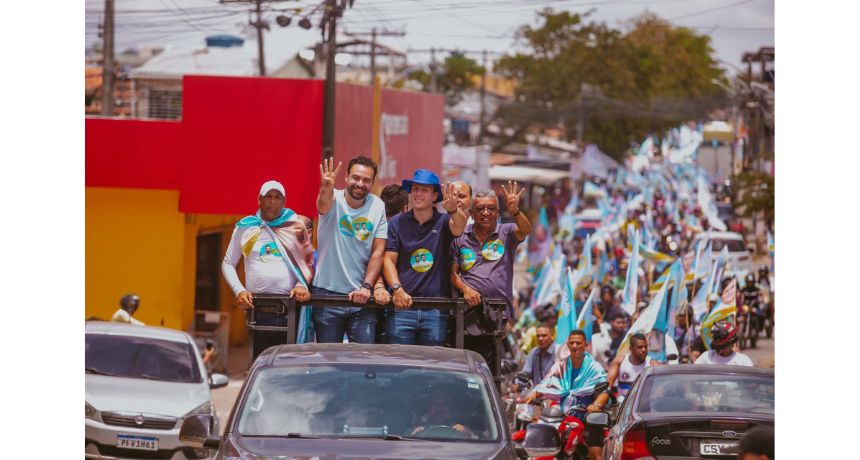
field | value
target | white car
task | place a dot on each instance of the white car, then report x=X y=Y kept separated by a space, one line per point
x=141 y=382
x=739 y=257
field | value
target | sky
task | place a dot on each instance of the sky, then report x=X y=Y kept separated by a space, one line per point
x=735 y=26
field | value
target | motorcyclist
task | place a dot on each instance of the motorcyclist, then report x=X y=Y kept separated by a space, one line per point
x=128 y=304
x=625 y=370
x=572 y=382
x=752 y=295
x=764 y=278
x=723 y=335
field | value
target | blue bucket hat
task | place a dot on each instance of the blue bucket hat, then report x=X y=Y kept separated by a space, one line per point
x=426 y=177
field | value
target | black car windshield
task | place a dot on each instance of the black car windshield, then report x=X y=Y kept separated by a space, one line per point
x=707 y=393
x=365 y=400
x=734 y=245
x=141 y=357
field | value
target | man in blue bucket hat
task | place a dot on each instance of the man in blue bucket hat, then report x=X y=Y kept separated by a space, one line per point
x=418 y=260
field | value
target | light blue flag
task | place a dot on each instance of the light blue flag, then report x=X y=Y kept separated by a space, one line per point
x=590 y=188
x=631 y=284
x=543 y=218
x=567 y=315
x=679 y=294
x=585 y=320
x=585 y=266
x=700 y=301
x=662 y=322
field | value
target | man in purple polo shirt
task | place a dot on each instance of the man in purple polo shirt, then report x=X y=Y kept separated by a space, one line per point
x=483 y=258
x=418 y=255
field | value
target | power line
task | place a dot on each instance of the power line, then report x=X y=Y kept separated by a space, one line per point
x=710 y=9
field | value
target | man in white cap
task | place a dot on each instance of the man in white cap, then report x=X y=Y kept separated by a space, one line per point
x=278 y=259
x=351 y=234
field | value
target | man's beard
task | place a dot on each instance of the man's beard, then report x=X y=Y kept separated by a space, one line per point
x=355 y=191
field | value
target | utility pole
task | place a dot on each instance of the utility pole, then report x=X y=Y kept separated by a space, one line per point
x=483 y=93
x=107 y=61
x=432 y=70
x=374 y=34
x=260 y=25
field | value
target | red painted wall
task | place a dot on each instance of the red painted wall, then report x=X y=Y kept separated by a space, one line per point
x=240 y=132
x=237 y=133
x=403 y=153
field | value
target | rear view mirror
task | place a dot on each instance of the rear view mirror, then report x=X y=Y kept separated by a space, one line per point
x=218 y=381
x=196 y=431
x=541 y=440
x=599 y=419
x=671 y=357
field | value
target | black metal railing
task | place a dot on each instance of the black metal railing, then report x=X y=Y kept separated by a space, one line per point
x=282 y=305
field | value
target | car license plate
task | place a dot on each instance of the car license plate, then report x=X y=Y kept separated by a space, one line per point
x=710 y=447
x=136 y=442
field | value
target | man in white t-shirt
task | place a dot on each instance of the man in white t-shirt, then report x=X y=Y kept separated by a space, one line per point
x=351 y=237
x=724 y=334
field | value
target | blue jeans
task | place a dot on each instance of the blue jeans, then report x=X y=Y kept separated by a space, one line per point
x=330 y=323
x=417 y=327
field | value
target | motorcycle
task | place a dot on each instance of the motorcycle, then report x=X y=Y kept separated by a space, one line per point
x=752 y=320
x=524 y=413
x=570 y=427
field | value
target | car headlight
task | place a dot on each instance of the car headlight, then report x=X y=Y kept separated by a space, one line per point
x=203 y=409
x=89 y=411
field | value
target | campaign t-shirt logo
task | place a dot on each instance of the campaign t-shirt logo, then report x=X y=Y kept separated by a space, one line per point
x=493 y=250
x=467 y=258
x=421 y=260
x=269 y=249
x=345 y=226
x=362 y=228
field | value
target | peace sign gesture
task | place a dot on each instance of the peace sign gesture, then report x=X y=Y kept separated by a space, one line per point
x=450 y=201
x=512 y=197
x=328 y=173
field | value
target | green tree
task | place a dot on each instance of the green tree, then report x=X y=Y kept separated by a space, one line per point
x=453 y=77
x=625 y=85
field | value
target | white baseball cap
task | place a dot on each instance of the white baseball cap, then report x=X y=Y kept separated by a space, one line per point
x=272 y=185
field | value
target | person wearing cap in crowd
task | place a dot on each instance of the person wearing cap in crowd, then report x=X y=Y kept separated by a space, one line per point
x=128 y=304
x=260 y=240
x=354 y=226
x=483 y=259
x=421 y=231
x=605 y=344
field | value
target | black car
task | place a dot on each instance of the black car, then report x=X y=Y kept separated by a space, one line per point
x=690 y=411
x=363 y=401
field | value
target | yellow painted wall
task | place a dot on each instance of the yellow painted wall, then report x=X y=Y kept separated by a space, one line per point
x=134 y=243
x=137 y=241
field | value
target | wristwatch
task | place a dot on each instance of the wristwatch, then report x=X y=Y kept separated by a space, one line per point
x=395 y=287
x=367 y=286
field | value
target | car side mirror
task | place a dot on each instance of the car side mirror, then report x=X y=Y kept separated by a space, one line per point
x=541 y=440
x=597 y=419
x=218 y=381
x=196 y=431
x=671 y=357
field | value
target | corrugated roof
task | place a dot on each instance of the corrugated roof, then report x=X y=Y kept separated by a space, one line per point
x=236 y=61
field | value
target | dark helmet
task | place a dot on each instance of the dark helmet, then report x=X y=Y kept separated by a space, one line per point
x=763 y=270
x=723 y=334
x=129 y=301
x=749 y=280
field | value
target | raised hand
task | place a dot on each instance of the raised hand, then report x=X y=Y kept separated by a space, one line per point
x=512 y=197
x=450 y=202
x=328 y=173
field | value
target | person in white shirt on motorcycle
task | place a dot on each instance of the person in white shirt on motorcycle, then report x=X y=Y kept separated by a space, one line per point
x=723 y=335
x=626 y=369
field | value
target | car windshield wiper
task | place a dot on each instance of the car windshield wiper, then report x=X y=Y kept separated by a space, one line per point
x=153 y=377
x=300 y=435
x=93 y=370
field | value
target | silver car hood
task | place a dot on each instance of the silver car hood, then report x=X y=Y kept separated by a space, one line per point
x=175 y=399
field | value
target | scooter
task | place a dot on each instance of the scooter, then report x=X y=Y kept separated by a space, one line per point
x=570 y=427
